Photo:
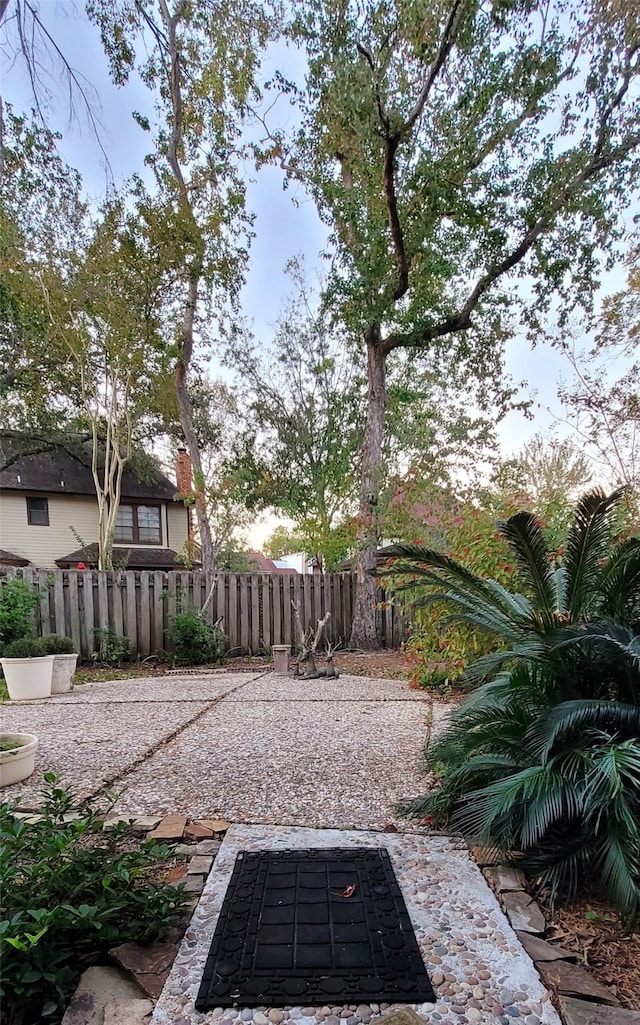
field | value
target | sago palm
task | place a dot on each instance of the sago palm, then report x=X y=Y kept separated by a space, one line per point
x=544 y=756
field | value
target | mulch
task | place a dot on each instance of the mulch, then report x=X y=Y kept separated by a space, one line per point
x=589 y=927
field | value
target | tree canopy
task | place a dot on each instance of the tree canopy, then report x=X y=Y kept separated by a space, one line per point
x=472 y=162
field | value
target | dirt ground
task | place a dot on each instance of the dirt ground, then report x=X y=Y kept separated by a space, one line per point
x=388 y=665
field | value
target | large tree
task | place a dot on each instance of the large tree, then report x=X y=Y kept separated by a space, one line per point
x=80 y=335
x=471 y=162
x=200 y=60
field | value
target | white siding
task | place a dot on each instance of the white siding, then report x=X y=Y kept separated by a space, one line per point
x=177 y=522
x=43 y=545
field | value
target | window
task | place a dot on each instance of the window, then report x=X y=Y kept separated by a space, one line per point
x=38 y=512
x=138 y=523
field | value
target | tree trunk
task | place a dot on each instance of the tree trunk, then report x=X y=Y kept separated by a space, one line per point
x=363 y=630
x=193 y=268
x=191 y=441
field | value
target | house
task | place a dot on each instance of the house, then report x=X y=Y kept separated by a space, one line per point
x=49 y=510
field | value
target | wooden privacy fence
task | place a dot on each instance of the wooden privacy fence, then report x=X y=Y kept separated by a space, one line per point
x=254 y=608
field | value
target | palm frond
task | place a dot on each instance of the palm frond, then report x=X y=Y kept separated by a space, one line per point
x=526 y=539
x=620 y=582
x=450 y=577
x=587 y=545
x=529 y=651
x=621 y=874
x=417 y=555
x=559 y=582
x=610 y=717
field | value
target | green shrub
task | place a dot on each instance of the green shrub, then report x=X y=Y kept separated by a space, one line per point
x=25 y=647
x=544 y=757
x=195 y=641
x=55 y=644
x=71 y=891
x=17 y=602
x=438 y=651
x=112 y=647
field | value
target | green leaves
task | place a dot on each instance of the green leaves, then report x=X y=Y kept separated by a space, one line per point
x=70 y=891
x=588 y=543
x=527 y=542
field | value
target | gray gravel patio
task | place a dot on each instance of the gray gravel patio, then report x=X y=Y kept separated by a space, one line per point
x=289 y=762
x=242 y=746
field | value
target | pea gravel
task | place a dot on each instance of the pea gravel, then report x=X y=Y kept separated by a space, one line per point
x=280 y=757
x=477 y=965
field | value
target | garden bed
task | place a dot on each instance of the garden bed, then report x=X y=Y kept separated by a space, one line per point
x=590 y=927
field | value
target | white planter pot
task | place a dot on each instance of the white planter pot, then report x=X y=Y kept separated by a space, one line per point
x=19 y=762
x=64 y=666
x=28 y=678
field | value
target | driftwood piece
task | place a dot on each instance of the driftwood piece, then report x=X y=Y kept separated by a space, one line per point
x=308 y=646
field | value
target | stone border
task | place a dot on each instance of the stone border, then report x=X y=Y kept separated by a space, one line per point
x=581 y=999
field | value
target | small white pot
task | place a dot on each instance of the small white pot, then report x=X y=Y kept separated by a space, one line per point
x=28 y=678
x=64 y=666
x=19 y=762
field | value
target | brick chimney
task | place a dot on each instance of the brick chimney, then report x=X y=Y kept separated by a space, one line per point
x=184 y=482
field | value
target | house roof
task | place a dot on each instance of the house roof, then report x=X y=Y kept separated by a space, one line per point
x=264 y=565
x=128 y=558
x=64 y=467
x=9 y=559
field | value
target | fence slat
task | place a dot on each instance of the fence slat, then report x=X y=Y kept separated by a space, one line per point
x=266 y=589
x=144 y=632
x=58 y=605
x=44 y=610
x=347 y=614
x=74 y=609
x=103 y=602
x=243 y=584
x=255 y=612
x=158 y=613
x=276 y=590
x=221 y=599
x=232 y=623
x=116 y=600
x=131 y=621
x=86 y=618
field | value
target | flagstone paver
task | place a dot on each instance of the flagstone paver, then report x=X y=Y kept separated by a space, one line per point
x=89 y=744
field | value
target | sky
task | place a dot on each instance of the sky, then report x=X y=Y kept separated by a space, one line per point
x=286 y=223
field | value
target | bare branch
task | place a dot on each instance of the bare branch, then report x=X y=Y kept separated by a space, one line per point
x=321 y=626
x=77 y=84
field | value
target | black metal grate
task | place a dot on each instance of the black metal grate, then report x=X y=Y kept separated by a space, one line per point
x=313 y=927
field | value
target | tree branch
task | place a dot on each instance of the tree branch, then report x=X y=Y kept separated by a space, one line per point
x=74 y=78
x=449 y=36
x=392 y=140
x=461 y=321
